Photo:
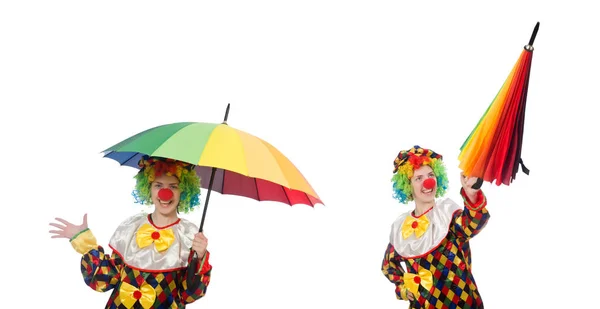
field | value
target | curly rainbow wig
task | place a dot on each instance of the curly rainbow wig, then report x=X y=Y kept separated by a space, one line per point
x=407 y=162
x=152 y=167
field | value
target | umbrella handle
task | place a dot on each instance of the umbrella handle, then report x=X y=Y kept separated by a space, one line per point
x=477 y=184
x=192 y=281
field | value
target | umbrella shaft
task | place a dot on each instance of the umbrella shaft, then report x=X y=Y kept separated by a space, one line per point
x=212 y=178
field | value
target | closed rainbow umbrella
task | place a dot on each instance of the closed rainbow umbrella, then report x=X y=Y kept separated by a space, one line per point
x=492 y=152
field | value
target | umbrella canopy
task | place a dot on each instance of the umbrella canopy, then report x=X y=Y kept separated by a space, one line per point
x=492 y=152
x=245 y=165
x=234 y=162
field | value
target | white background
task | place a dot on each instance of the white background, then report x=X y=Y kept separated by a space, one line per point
x=339 y=87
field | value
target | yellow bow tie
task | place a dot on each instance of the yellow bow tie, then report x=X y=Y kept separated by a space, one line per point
x=162 y=239
x=414 y=225
x=130 y=294
x=412 y=281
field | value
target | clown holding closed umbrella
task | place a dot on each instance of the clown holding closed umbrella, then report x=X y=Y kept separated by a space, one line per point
x=432 y=241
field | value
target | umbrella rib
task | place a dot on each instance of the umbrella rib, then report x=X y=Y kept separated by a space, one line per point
x=133 y=156
x=124 y=162
x=223 y=181
x=311 y=202
x=286 y=196
x=256 y=186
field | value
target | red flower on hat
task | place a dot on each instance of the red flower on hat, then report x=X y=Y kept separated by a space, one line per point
x=163 y=167
x=416 y=160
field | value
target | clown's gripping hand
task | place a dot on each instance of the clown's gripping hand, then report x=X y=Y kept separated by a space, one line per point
x=199 y=244
x=475 y=215
x=467 y=184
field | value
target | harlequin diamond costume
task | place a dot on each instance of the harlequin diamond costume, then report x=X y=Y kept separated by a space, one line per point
x=434 y=246
x=150 y=265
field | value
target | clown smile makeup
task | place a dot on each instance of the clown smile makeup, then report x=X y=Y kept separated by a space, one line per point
x=165 y=203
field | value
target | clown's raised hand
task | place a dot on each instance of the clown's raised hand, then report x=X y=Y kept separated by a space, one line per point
x=68 y=230
x=467 y=184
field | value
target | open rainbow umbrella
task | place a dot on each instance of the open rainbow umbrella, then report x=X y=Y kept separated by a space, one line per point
x=492 y=152
x=236 y=162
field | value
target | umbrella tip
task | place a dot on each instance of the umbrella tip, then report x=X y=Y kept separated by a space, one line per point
x=529 y=46
x=226 y=113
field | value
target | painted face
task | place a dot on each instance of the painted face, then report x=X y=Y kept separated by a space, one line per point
x=165 y=194
x=424 y=184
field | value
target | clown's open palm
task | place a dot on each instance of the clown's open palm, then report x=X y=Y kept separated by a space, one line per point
x=68 y=230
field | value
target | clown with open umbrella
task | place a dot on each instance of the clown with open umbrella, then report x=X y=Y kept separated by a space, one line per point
x=159 y=260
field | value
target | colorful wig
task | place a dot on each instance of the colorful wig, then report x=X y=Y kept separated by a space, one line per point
x=407 y=162
x=152 y=167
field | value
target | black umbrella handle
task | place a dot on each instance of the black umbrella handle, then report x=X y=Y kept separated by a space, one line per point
x=477 y=184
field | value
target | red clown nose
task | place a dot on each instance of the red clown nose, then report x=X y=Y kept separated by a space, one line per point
x=429 y=183
x=165 y=194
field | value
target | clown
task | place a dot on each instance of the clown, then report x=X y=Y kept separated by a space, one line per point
x=152 y=264
x=432 y=241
